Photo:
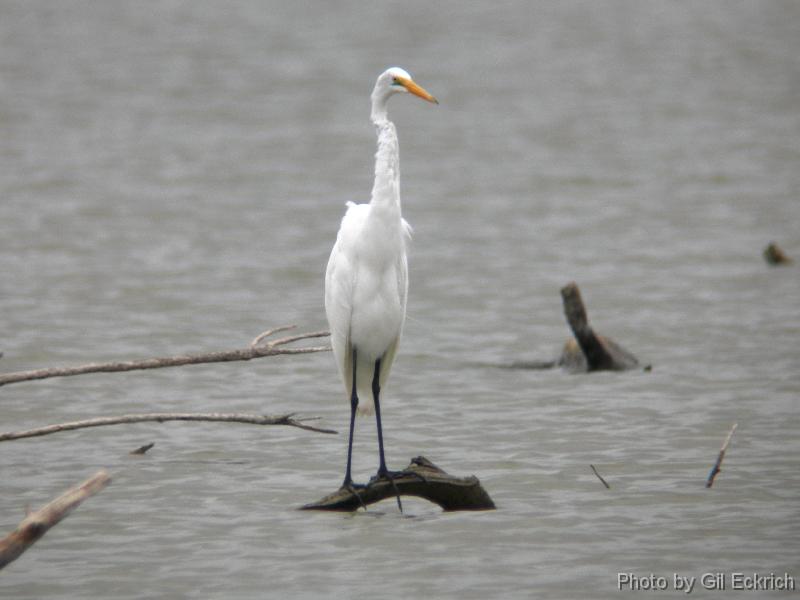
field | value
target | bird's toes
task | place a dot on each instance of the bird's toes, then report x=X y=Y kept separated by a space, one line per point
x=387 y=475
x=351 y=486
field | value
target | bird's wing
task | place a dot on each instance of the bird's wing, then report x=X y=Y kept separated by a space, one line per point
x=402 y=287
x=387 y=360
x=339 y=285
x=402 y=267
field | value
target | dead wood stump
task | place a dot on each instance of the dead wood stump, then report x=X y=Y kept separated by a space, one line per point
x=589 y=351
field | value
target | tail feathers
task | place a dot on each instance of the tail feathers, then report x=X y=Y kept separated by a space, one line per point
x=364 y=372
x=365 y=409
x=366 y=405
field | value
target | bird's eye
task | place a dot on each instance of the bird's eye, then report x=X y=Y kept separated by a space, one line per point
x=395 y=81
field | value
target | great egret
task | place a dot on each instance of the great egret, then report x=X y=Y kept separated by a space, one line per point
x=366 y=281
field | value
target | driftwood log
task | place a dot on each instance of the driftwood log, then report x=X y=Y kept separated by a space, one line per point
x=589 y=351
x=37 y=523
x=422 y=479
x=248 y=419
x=257 y=349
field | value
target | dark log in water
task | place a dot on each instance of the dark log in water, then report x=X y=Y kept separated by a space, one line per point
x=422 y=479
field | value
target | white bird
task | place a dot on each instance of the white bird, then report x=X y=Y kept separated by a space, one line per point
x=366 y=281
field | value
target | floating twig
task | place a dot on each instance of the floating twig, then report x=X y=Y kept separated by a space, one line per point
x=37 y=523
x=255 y=350
x=600 y=477
x=718 y=465
x=250 y=419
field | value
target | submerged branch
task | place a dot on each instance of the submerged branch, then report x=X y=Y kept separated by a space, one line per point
x=600 y=477
x=775 y=256
x=141 y=450
x=718 y=464
x=250 y=419
x=37 y=523
x=255 y=350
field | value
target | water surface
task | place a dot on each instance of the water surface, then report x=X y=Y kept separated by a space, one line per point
x=172 y=176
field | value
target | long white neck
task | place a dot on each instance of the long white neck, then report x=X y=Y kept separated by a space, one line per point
x=386 y=188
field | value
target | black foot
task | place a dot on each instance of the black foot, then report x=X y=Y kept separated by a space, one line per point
x=392 y=475
x=352 y=486
x=353 y=489
x=386 y=474
x=383 y=474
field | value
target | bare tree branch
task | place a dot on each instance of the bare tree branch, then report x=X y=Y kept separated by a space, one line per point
x=37 y=523
x=257 y=340
x=255 y=350
x=160 y=418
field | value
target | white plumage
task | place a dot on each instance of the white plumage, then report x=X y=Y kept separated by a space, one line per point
x=366 y=281
x=366 y=286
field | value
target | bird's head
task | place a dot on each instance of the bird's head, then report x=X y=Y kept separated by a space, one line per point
x=397 y=81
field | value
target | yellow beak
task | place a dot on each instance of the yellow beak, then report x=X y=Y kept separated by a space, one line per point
x=417 y=90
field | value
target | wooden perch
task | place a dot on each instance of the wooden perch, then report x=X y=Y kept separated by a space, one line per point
x=160 y=418
x=255 y=350
x=589 y=351
x=421 y=478
x=718 y=464
x=36 y=524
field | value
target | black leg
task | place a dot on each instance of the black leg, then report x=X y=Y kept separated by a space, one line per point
x=348 y=478
x=376 y=392
x=382 y=470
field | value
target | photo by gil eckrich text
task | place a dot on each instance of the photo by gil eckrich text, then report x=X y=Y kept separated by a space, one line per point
x=716 y=581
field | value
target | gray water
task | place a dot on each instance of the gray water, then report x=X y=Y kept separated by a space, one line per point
x=172 y=176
